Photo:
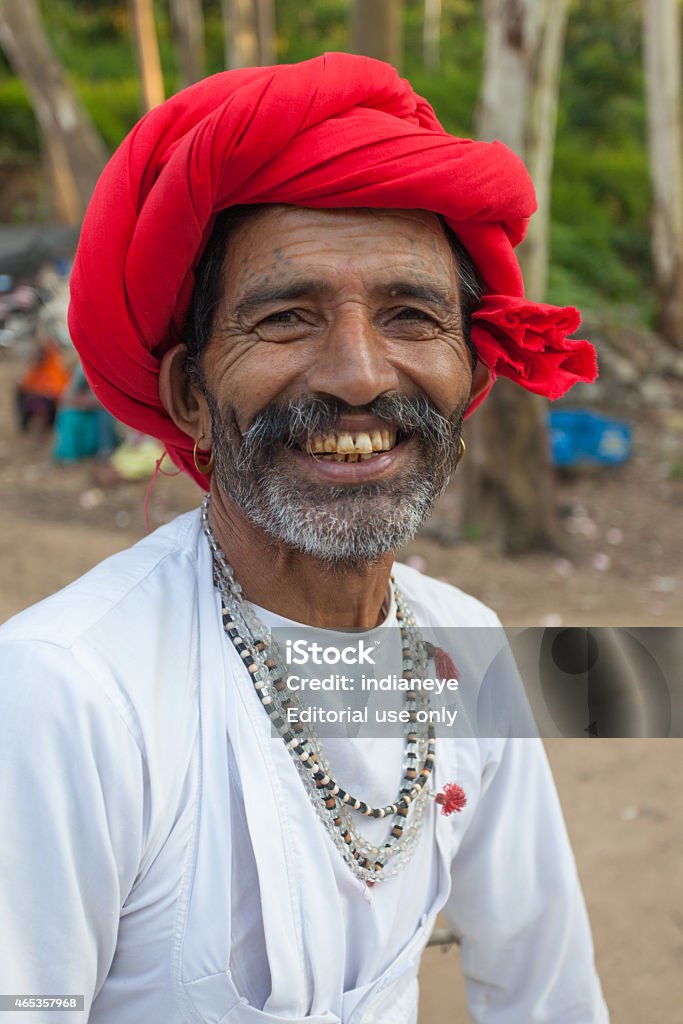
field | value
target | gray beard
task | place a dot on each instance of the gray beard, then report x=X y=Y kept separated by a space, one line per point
x=338 y=525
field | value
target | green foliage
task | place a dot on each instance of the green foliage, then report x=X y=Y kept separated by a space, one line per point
x=113 y=106
x=454 y=92
x=602 y=83
x=87 y=38
x=307 y=30
x=600 y=210
x=18 y=128
x=601 y=191
x=214 y=42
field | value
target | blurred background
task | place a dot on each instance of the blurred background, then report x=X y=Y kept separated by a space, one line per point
x=569 y=514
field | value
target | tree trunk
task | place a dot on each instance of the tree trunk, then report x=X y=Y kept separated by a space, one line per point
x=431 y=36
x=188 y=28
x=241 y=35
x=265 y=20
x=539 y=148
x=665 y=144
x=147 y=50
x=377 y=29
x=509 y=491
x=249 y=33
x=74 y=152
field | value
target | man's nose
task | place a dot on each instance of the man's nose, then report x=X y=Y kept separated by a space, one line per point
x=352 y=362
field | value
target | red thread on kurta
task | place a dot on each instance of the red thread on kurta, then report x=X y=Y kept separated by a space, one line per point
x=444 y=665
x=451 y=798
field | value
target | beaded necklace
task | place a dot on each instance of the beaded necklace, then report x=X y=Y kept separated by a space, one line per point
x=334 y=805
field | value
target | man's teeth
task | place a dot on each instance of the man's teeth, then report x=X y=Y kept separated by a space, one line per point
x=352 y=447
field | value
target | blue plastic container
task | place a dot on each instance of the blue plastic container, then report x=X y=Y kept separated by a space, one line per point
x=579 y=438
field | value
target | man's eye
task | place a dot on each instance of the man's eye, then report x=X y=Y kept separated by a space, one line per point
x=410 y=313
x=288 y=317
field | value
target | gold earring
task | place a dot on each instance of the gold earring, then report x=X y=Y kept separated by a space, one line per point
x=202 y=467
x=463 y=449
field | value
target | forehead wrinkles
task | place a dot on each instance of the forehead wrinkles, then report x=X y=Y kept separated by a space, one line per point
x=349 y=250
x=283 y=237
x=339 y=282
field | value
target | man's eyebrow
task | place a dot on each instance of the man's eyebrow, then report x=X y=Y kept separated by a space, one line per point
x=421 y=291
x=405 y=289
x=265 y=294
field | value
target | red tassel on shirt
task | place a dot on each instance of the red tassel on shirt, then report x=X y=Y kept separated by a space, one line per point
x=451 y=798
x=444 y=665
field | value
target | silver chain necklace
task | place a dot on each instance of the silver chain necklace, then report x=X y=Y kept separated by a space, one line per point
x=334 y=805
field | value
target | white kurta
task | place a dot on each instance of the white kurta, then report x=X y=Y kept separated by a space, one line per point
x=160 y=856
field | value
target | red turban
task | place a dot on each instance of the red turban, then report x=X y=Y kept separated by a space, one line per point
x=336 y=131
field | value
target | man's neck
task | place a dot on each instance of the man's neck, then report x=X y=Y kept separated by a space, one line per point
x=295 y=585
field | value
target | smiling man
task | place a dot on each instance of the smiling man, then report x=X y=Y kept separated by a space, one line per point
x=331 y=387
x=302 y=285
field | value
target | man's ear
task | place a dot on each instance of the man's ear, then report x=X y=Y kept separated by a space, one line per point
x=481 y=380
x=184 y=402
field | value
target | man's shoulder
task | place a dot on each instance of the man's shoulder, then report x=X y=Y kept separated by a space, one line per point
x=135 y=583
x=438 y=603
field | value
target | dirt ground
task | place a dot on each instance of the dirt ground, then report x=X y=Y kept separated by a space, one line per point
x=621 y=565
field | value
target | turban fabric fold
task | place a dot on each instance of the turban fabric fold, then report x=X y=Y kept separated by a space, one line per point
x=335 y=131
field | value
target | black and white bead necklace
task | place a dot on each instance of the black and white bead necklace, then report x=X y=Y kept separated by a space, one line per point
x=334 y=804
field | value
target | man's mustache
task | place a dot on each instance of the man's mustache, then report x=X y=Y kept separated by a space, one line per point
x=295 y=422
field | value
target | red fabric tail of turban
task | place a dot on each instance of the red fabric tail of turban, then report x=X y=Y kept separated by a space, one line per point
x=336 y=131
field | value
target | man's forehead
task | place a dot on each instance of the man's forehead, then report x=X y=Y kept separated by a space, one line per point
x=281 y=253
x=276 y=237
x=274 y=213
